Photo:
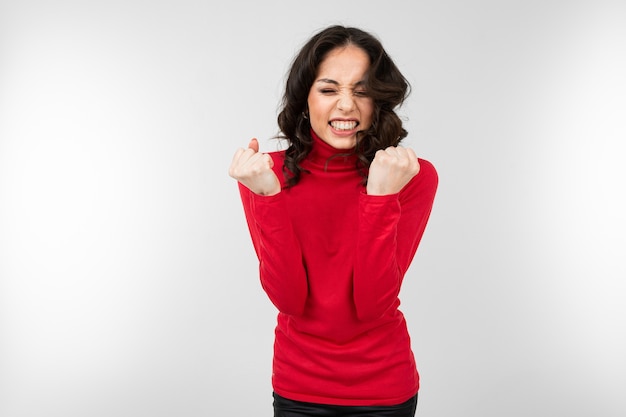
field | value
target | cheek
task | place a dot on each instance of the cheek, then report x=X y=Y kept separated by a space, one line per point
x=316 y=117
x=317 y=110
x=367 y=112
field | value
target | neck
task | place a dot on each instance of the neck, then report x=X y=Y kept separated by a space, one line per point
x=331 y=158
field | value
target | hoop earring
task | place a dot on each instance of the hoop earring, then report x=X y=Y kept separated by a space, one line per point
x=305 y=115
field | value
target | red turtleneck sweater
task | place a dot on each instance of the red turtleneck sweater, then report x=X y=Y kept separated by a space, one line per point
x=332 y=260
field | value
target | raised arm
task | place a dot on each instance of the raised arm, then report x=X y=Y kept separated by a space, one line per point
x=390 y=229
x=281 y=270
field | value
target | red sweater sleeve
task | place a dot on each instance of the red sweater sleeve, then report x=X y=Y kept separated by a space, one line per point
x=281 y=269
x=390 y=229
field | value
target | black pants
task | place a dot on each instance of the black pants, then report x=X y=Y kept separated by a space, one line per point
x=289 y=408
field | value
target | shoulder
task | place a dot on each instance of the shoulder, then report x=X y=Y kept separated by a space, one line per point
x=423 y=185
x=278 y=158
x=427 y=172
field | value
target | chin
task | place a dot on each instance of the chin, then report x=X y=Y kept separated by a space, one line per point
x=343 y=142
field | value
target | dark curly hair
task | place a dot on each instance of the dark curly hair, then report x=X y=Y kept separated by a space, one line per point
x=384 y=84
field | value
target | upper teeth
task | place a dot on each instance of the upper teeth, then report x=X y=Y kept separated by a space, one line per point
x=341 y=125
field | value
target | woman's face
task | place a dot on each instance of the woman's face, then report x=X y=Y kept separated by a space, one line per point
x=339 y=106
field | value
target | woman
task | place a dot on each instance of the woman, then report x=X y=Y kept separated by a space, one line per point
x=335 y=220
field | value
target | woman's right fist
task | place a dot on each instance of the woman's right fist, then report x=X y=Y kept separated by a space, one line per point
x=254 y=170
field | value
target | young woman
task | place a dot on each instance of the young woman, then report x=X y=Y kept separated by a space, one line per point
x=335 y=220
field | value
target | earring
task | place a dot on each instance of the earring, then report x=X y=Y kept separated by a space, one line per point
x=305 y=115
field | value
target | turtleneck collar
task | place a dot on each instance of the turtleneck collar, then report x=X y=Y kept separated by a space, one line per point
x=329 y=157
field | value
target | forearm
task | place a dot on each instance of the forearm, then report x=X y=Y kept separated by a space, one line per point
x=377 y=275
x=390 y=230
x=281 y=269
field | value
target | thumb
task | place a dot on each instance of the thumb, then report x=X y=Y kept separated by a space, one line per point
x=254 y=145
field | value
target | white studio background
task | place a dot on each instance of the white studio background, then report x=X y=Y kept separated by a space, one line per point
x=128 y=284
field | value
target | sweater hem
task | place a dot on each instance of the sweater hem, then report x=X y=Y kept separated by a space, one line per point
x=350 y=402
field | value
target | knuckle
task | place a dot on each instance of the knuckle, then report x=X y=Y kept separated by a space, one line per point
x=235 y=173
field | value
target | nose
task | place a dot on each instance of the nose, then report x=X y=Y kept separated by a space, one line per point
x=345 y=102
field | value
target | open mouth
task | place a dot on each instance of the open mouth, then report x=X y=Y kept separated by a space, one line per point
x=343 y=124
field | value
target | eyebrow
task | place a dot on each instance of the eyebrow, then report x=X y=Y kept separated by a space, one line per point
x=329 y=81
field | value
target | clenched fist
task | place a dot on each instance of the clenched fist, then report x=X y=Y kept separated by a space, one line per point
x=391 y=170
x=254 y=170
